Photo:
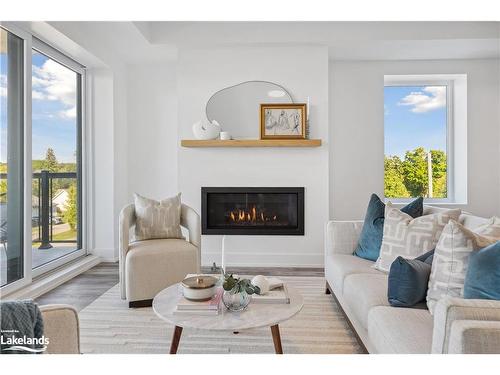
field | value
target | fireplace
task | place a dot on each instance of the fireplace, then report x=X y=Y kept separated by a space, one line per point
x=253 y=210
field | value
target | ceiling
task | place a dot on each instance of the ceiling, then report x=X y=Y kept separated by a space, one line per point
x=137 y=42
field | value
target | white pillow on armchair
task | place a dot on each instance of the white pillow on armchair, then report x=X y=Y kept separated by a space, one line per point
x=157 y=219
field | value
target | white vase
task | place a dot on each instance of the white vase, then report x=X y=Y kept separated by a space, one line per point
x=204 y=130
x=262 y=283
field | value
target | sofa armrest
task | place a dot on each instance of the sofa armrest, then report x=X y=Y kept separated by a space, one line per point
x=342 y=236
x=61 y=326
x=451 y=309
x=191 y=221
x=474 y=337
x=127 y=220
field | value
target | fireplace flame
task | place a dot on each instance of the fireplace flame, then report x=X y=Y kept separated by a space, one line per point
x=250 y=216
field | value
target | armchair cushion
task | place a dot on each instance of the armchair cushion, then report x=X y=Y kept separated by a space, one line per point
x=157 y=219
x=153 y=265
x=61 y=327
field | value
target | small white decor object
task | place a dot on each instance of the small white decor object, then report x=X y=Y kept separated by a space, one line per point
x=205 y=130
x=225 y=136
x=262 y=283
x=274 y=283
x=199 y=287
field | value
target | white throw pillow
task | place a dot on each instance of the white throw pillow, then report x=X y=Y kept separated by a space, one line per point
x=157 y=219
x=410 y=237
x=451 y=258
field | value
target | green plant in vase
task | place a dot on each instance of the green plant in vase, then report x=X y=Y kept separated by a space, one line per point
x=237 y=292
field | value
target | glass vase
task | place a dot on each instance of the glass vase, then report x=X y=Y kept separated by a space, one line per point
x=236 y=300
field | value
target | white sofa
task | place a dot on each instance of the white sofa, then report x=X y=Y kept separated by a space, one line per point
x=458 y=325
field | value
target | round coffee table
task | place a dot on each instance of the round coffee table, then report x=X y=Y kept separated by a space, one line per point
x=256 y=315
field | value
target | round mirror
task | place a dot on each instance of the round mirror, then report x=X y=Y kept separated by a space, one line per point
x=237 y=108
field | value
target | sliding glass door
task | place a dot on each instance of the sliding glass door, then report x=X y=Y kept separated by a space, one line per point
x=56 y=157
x=41 y=179
x=11 y=157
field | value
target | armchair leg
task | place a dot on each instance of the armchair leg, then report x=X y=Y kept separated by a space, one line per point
x=141 y=303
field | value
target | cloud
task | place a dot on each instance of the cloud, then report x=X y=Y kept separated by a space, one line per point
x=54 y=82
x=3 y=85
x=429 y=99
x=69 y=113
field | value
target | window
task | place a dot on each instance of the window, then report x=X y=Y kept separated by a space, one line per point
x=418 y=133
x=11 y=158
x=41 y=179
x=56 y=227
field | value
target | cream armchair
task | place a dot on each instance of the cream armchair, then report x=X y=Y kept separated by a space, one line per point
x=61 y=326
x=147 y=267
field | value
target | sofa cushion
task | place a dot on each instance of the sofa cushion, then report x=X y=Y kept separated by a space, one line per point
x=400 y=330
x=342 y=265
x=451 y=259
x=408 y=237
x=408 y=280
x=482 y=280
x=364 y=291
x=370 y=239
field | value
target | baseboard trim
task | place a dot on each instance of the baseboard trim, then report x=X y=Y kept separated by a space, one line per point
x=240 y=258
x=53 y=279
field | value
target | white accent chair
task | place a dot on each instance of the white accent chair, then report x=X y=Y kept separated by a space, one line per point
x=147 y=267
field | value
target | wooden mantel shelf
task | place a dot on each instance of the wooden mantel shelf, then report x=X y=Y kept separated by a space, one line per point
x=251 y=143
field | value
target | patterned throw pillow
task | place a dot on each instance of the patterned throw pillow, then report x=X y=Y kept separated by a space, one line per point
x=370 y=239
x=408 y=237
x=451 y=258
x=157 y=219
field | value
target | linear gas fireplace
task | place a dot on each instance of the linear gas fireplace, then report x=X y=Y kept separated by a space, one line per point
x=253 y=210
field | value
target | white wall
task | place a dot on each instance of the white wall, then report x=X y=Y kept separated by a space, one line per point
x=101 y=163
x=304 y=72
x=152 y=130
x=86 y=42
x=357 y=131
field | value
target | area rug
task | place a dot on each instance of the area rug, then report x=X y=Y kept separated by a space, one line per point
x=107 y=325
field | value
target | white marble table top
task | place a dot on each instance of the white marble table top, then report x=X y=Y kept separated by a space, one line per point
x=256 y=315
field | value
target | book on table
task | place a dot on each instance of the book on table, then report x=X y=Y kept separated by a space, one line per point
x=278 y=296
x=210 y=307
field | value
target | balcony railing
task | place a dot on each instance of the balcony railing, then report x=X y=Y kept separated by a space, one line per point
x=43 y=199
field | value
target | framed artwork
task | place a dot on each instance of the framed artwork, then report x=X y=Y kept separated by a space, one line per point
x=282 y=121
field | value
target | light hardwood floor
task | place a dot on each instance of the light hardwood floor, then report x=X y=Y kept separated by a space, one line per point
x=90 y=285
x=82 y=290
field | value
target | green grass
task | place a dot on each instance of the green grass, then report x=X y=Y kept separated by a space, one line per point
x=69 y=235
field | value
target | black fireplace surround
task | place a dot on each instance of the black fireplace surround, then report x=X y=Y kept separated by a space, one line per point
x=253 y=210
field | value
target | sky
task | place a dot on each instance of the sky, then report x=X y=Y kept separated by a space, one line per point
x=414 y=116
x=53 y=108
